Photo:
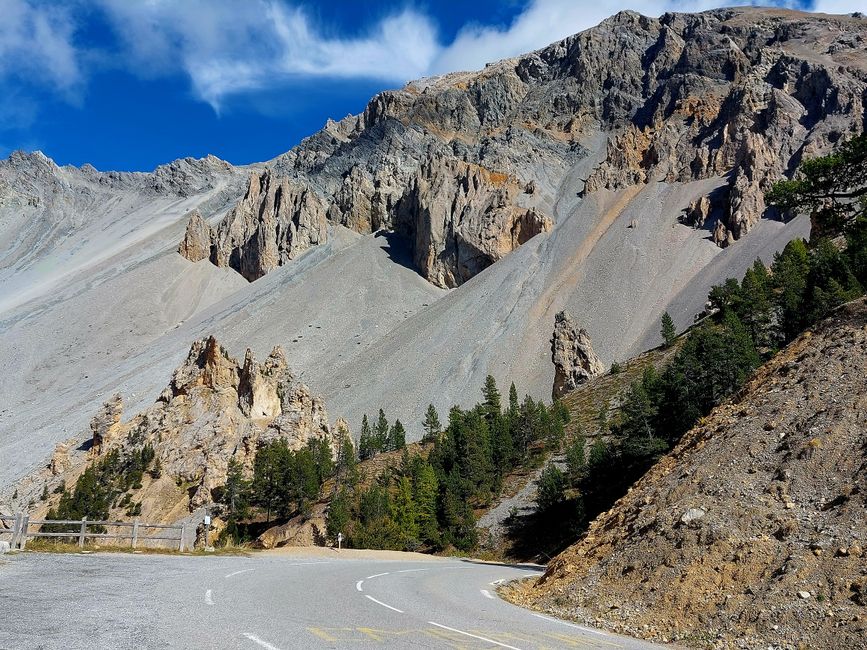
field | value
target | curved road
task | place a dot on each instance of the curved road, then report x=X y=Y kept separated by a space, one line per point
x=272 y=601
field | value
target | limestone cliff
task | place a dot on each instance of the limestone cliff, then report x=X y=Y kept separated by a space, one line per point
x=214 y=409
x=273 y=223
x=470 y=165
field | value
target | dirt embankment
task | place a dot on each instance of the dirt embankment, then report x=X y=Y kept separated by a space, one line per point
x=752 y=532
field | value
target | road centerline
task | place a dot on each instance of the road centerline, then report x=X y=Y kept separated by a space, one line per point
x=261 y=642
x=379 y=602
x=235 y=573
x=209 y=600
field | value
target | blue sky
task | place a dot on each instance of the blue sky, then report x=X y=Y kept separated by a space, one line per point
x=130 y=84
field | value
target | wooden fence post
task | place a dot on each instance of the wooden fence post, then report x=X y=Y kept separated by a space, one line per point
x=183 y=535
x=16 y=530
x=82 y=532
x=25 y=524
x=135 y=533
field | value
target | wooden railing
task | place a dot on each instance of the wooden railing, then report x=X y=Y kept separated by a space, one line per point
x=133 y=531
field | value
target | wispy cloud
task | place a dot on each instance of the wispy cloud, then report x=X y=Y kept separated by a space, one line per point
x=229 y=49
x=36 y=45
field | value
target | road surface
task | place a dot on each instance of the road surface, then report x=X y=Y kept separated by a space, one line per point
x=302 y=599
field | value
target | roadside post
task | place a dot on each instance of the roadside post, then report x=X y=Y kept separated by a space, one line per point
x=339 y=540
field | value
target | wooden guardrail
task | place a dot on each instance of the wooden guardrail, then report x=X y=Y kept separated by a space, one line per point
x=21 y=530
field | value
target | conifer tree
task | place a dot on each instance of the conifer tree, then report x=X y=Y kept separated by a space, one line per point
x=425 y=491
x=365 y=441
x=669 y=334
x=492 y=398
x=404 y=512
x=432 y=426
x=575 y=459
x=396 y=437
x=380 y=433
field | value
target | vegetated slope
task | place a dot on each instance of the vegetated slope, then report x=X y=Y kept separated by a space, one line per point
x=751 y=532
x=111 y=305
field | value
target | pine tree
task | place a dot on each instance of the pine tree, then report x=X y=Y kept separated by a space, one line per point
x=346 y=466
x=338 y=516
x=790 y=271
x=552 y=484
x=669 y=334
x=755 y=307
x=235 y=493
x=432 y=426
x=365 y=441
x=404 y=512
x=492 y=398
x=396 y=437
x=575 y=459
x=380 y=433
x=425 y=492
x=44 y=492
x=513 y=401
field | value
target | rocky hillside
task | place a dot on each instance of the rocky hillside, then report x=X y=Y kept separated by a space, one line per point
x=755 y=522
x=572 y=178
x=467 y=165
x=214 y=409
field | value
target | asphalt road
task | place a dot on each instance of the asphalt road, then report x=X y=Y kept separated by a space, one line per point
x=271 y=602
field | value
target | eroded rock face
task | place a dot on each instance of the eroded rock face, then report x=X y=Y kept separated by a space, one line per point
x=275 y=221
x=214 y=409
x=196 y=244
x=105 y=425
x=464 y=218
x=738 y=93
x=573 y=356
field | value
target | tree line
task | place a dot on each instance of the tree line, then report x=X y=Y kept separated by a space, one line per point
x=429 y=502
x=748 y=322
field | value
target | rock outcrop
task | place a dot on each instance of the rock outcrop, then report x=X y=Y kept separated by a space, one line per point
x=196 y=244
x=214 y=409
x=573 y=356
x=464 y=218
x=275 y=221
x=468 y=165
x=105 y=425
x=751 y=532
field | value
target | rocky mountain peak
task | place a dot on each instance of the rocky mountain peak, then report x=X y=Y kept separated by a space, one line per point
x=741 y=95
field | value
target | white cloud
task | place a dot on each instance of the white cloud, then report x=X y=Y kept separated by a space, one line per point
x=36 y=45
x=227 y=48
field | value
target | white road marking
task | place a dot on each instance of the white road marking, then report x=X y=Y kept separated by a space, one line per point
x=577 y=627
x=260 y=642
x=376 y=575
x=410 y=570
x=234 y=573
x=358 y=585
x=474 y=636
x=379 y=602
x=486 y=593
x=208 y=599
